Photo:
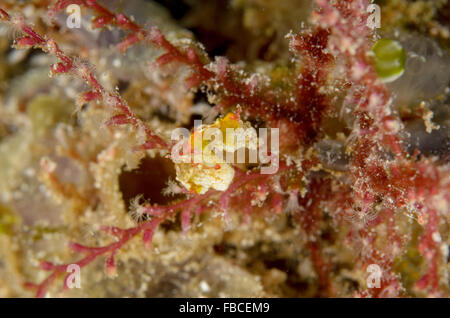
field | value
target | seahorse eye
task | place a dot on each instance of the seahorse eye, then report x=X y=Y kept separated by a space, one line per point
x=389 y=59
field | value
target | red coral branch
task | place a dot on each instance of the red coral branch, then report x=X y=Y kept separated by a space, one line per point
x=429 y=247
x=105 y=17
x=277 y=110
x=70 y=65
x=351 y=41
x=157 y=214
x=399 y=181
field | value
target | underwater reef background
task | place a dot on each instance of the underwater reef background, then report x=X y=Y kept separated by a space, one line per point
x=91 y=91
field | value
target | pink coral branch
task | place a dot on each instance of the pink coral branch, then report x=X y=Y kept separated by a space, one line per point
x=158 y=214
x=67 y=64
x=259 y=103
x=93 y=253
x=373 y=177
x=351 y=42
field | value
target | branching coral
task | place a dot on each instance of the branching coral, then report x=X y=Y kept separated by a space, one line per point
x=366 y=201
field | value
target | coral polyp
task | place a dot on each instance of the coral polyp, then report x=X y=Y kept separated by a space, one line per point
x=320 y=167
